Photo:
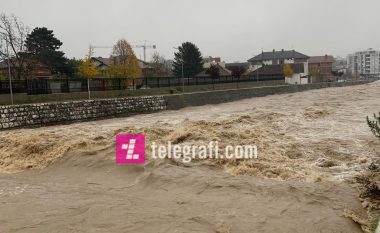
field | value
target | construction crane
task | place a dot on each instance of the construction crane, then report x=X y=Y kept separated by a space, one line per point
x=144 y=46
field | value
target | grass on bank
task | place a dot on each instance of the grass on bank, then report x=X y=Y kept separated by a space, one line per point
x=5 y=99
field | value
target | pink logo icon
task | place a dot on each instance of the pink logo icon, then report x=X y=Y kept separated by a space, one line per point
x=130 y=149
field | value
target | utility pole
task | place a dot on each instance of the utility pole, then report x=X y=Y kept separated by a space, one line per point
x=257 y=74
x=9 y=74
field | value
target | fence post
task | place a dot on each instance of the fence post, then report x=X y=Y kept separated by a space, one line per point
x=26 y=85
x=169 y=81
x=133 y=84
x=88 y=88
x=158 y=82
x=67 y=85
x=47 y=89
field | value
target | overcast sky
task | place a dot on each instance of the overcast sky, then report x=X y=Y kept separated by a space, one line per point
x=232 y=29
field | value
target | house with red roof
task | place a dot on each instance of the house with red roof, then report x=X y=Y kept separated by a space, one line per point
x=321 y=68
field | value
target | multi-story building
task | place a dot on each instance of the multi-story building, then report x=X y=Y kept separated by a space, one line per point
x=364 y=63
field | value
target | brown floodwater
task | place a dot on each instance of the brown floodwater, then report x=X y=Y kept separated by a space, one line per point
x=310 y=147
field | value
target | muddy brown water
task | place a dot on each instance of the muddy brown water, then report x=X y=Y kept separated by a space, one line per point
x=64 y=178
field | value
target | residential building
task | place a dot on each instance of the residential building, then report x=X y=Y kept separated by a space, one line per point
x=300 y=74
x=34 y=69
x=364 y=63
x=208 y=61
x=278 y=58
x=276 y=72
x=270 y=66
x=321 y=68
x=223 y=72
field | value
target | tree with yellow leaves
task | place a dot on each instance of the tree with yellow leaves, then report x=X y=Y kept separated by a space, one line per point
x=88 y=69
x=125 y=63
x=288 y=71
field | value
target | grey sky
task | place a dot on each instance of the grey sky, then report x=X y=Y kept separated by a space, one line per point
x=232 y=29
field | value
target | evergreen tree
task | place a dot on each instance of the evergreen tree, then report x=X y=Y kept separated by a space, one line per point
x=189 y=55
x=42 y=46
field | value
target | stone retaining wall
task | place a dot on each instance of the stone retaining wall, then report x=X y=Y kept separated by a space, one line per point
x=64 y=112
x=53 y=113
x=216 y=97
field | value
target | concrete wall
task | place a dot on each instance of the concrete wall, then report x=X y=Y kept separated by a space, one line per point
x=217 y=97
x=64 y=112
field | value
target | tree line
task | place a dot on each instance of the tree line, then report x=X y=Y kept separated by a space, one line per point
x=30 y=49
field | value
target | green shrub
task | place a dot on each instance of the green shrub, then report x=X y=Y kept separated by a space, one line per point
x=374 y=125
x=373 y=167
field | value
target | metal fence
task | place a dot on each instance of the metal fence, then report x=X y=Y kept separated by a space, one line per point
x=68 y=85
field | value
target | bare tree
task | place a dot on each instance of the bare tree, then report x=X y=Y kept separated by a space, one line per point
x=12 y=37
x=158 y=64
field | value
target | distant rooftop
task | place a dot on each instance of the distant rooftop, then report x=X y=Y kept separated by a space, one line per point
x=238 y=64
x=283 y=54
x=109 y=61
x=321 y=59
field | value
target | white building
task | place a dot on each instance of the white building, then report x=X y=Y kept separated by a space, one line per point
x=301 y=74
x=208 y=61
x=270 y=65
x=365 y=63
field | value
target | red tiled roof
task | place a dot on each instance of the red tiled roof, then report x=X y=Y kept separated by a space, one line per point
x=321 y=59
